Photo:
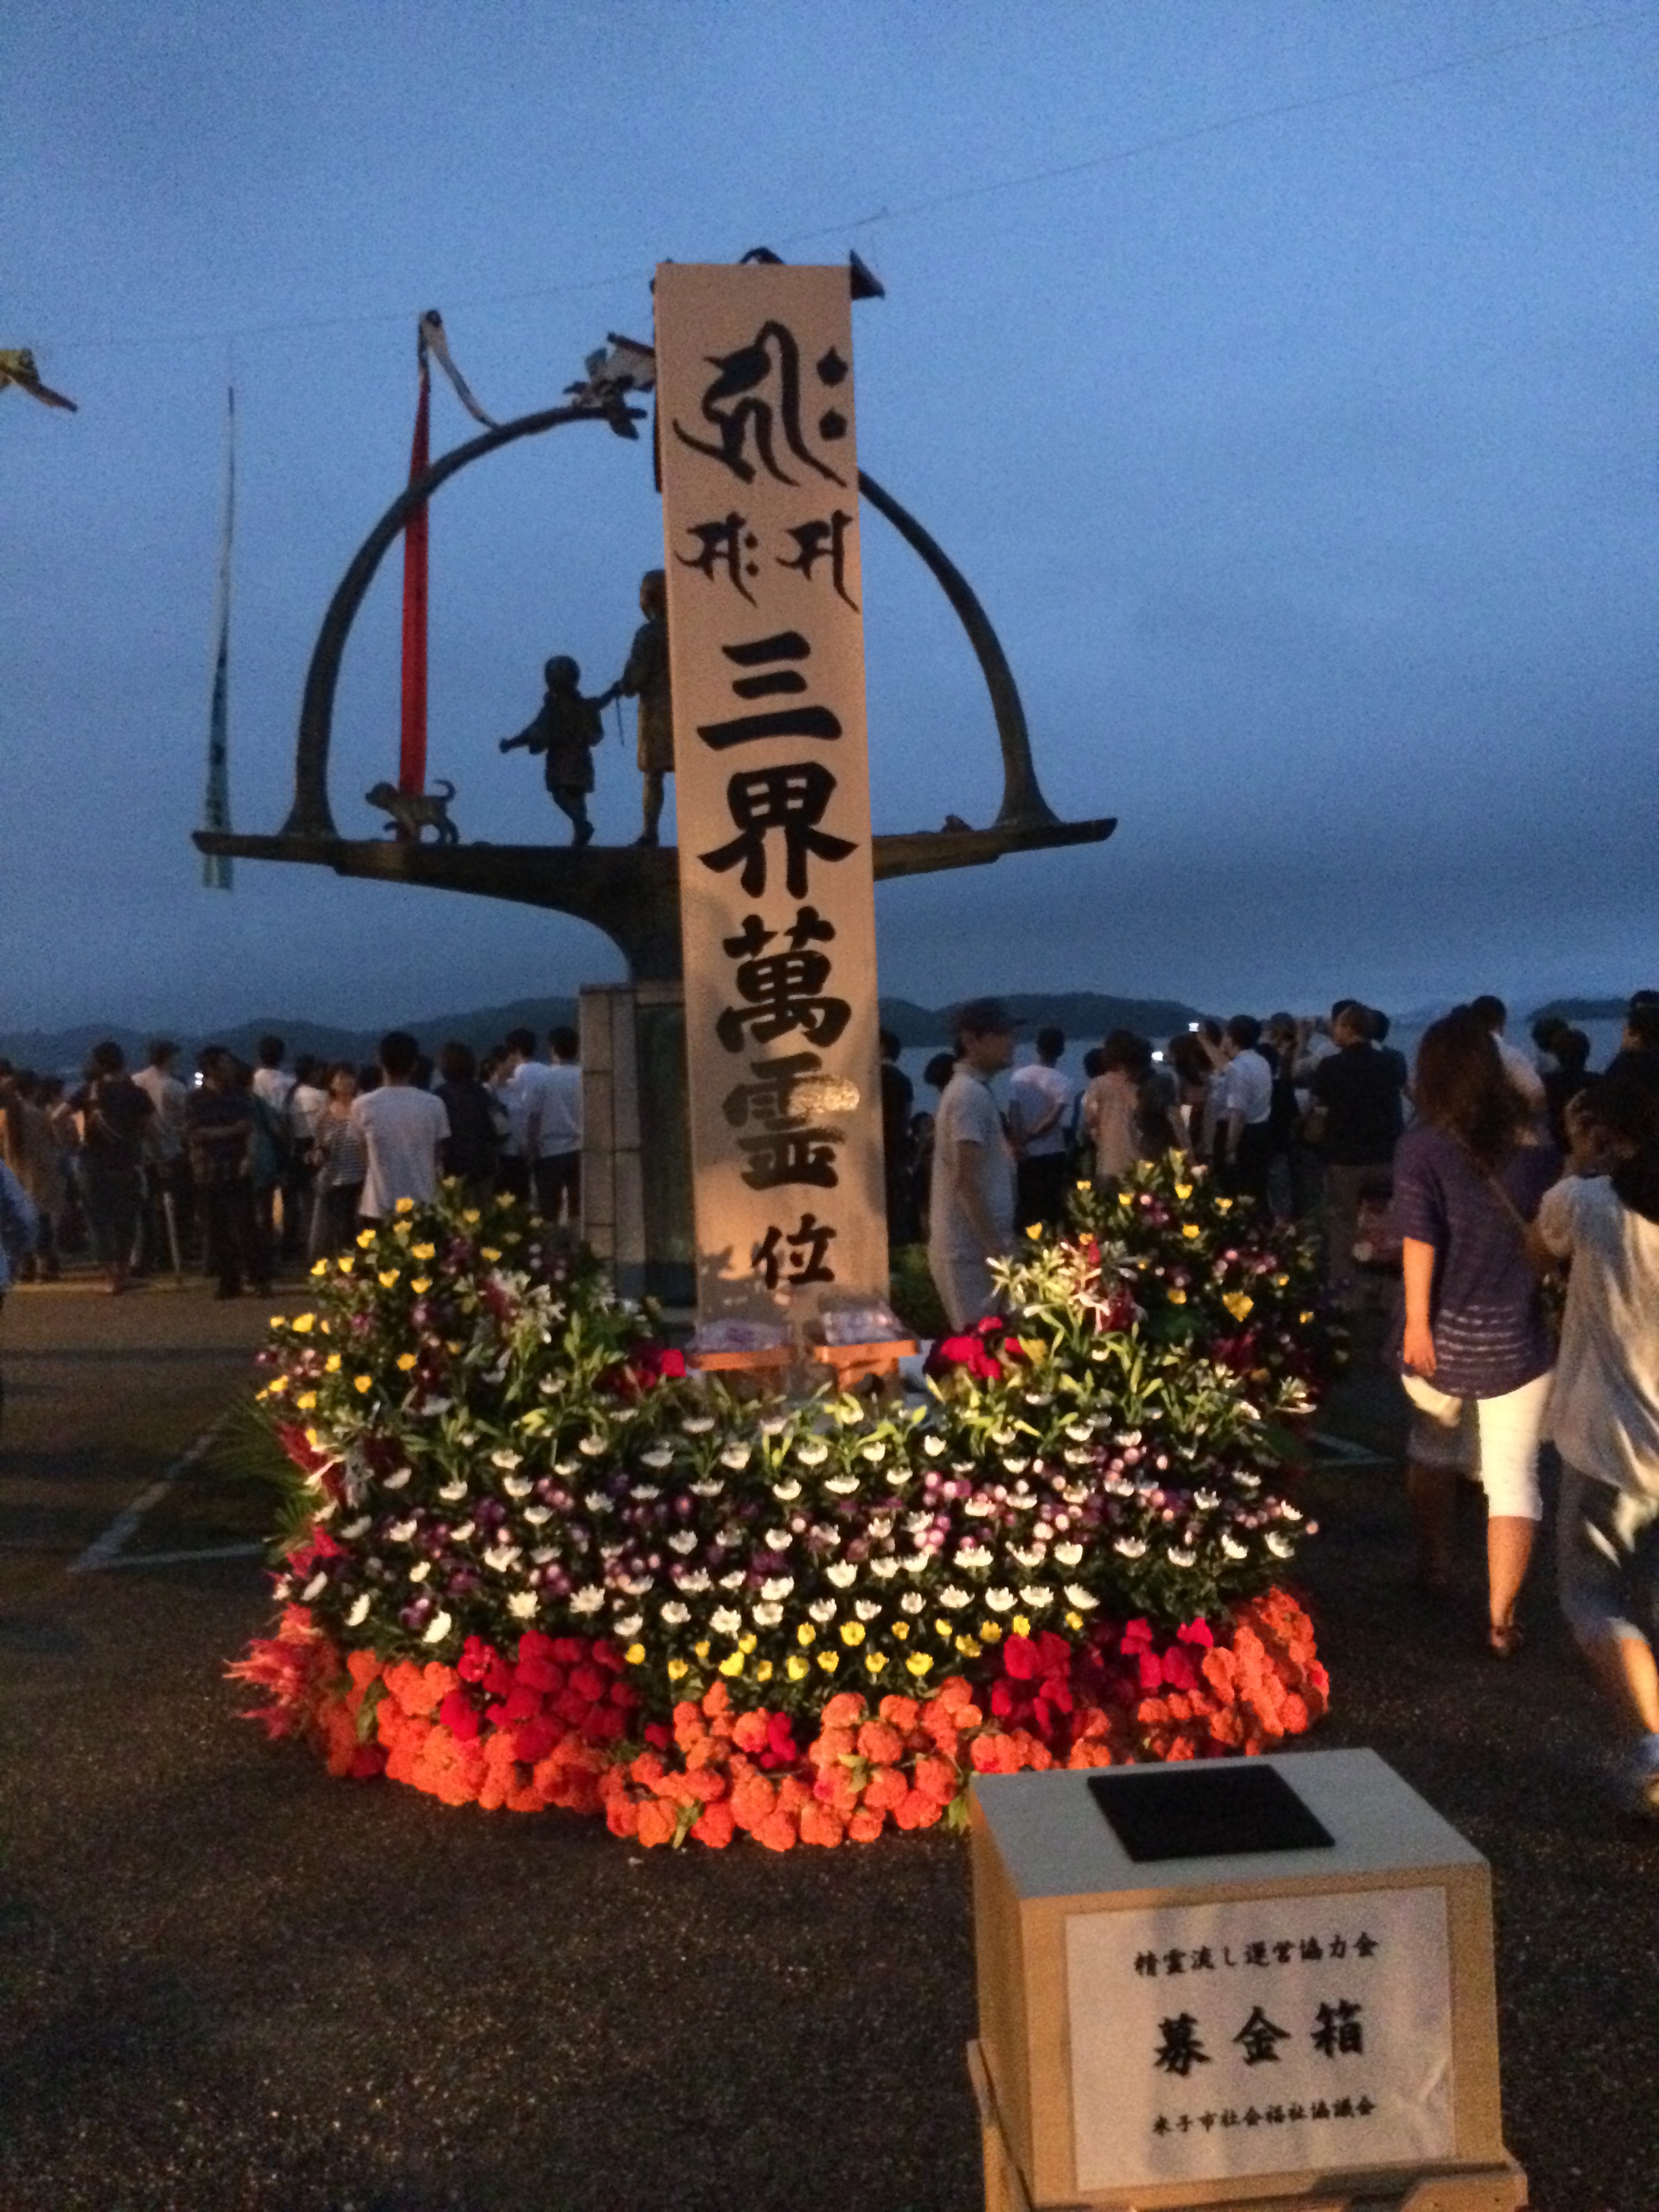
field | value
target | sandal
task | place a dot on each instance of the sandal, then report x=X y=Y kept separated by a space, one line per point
x=1504 y=1641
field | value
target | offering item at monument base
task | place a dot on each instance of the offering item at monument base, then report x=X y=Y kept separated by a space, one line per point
x=1258 y=1983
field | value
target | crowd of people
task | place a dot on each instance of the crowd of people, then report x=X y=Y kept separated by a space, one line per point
x=250 y=1169
x=1516 y=1206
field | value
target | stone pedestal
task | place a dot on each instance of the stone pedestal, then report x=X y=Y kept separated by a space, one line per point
x=637 y=1164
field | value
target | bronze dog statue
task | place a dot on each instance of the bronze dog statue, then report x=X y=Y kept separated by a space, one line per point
x=412 y=811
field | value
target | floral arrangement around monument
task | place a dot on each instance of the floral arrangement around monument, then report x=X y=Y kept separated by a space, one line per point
x=538 y=1564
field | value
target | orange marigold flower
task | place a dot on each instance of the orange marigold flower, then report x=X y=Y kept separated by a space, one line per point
x=900 y=1711
x=753 y=1798
x=844 y=1710
x=777 y=1832
x=822 y=1825
x=866 y=1826
x=885 y=1789
x=938 y=1779
x=716 y=1699
x=715 y=1826
x=749 y=1732
x=880 y=1741
x=362 y=1667
x=656 y=1823
x=916 y=1809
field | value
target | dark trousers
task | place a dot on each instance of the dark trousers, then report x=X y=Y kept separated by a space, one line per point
x=513 y=1176
x=236 y=1251
x=1040 y=1191
x=559 y=1177
x=1246 y=1175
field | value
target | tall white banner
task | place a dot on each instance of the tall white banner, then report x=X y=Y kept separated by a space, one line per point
x=771 y=756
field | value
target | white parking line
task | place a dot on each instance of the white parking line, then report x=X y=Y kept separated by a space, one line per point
x=102 y=1550
x=177 y=1559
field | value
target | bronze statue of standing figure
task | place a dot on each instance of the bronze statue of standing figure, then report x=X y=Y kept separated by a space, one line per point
x=565 y=733
x=646 y=678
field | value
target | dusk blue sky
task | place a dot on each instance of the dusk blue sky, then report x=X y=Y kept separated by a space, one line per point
x=1307 y=461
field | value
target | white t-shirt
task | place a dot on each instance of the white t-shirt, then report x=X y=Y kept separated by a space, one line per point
x=1522 y=1074
x=1247 y=1088
x=549 y=1098
x=1604 y=1407
x=275 y=1085
x=1033 y=1091
x=305 y=1103
x=402 y=1128
x=968 y=1116
x=167 y=1095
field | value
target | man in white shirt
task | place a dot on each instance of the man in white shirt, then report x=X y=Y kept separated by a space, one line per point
x=971 y=1212
x=168 y=1193
x=554 y=1135
x=271 y=1080
x=1244 y=1140
x=1040 y=1100
x=1522 y=1075
x=402 y=1128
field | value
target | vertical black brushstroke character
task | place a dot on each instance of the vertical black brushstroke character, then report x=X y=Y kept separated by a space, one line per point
x=809 y=1245
x=790 y=800
x=1181 y=2050
x=756 y=391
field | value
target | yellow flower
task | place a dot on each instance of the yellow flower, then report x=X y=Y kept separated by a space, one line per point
x=314 y=1438
x=967 y=1646
x=828 y=1661
x=472 y=1217
x=424 y=1251
x=918 y=1662
x=452 y=1348
x=321 y=1268
x=635 y=1654
x=745 y=1644
x=279 y=1321
x=421 y=1285
x=1034 y=1230
x=363 y=1382
x=1020 y=1625
x=989 y=1632
x=852 y=1632
x=1280 y=1281
x=279 y=1383
x=1224 y=1205
x=732 y=1663
x=874 y=1661
x=405 y=1361
x=332 y=1364
x=763 y=1671
x=1177 y=1297
x=1305 y=1318
x=676 y=1669
x=701 y=1649
x=365 y=1240
x=796 y=1668
x=1084 y=1184
x=1191 y=1229
x=1183 y=1190
x=404 y=1206
x=303 y=1323
x=806 y=1633
x=1126 y=1198
x=1238 y=1304
x=388 y=1277
x=346 y=1263
x=902 y=1630
x=944 y=1628
x=489 y=1251
x=1074 y=1620
x=305 y=1401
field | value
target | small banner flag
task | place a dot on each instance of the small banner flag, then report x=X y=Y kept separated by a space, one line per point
x=216 y=866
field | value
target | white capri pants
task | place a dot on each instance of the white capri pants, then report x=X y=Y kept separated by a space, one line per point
x=1495 y=1438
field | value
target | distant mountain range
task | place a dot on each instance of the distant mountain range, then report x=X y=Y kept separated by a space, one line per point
x=1081 y=1014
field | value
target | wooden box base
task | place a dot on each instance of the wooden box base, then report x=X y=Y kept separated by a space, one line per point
x=1491 y=2188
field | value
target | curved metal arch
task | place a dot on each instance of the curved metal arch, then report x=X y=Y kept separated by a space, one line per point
x=1023 y=804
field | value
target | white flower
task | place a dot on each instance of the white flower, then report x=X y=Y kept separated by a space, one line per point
x=567 y=1467
x=314 y=1587
x=597 y=1502
x=1080 y=1432
x=432 y=1407
x=788 y=1489
x=865 y=1610
x=543 y=1553
x=912 y=1602
x=1027 y=1558
x=359 y=1612
x=353 y=1529
x=397 y=1478
x=843 y=1574
x=773 y=1424
x=522 y=1605
x=645 y=1489
x=1068 y=1554
x=979 y=1505
x=883 y=1568
x=1076 y=1595
x=1287 y=1511
x=913 y=1562
x=735 y=1455
x=881 y=1524
x=659 y=1455
x=592 y=1447
x=588 y=1599
x=1247 y=1481
x=1077 y=1457
x=1119 y=1487
x=401 y=1531
x=1280 y=1546
x=778 y=1540
x=999 y=1600
x=972 y=1556
x=683 y=1540
x=724 y=1621
x=438 y=1628
x=811 y=1451
x=506 y=1459
x=1036 y=1596
x=1015 y=1466
x=822 y=1610
x=842 y=1484
x=536 y=1514
x=935 y=1447
x=1179 y=1556
x=827 y=1535
x=1232 y=1549
x=914 y=1523
x=955 y=1598
x=628 y=1624
x=706 y=1486
x=1131 y=1548
x=459 y=1536
x=767 y=1616
x=1075 y=1493
x=636 y=1585
x=1206 y=1500
x=518 y=1486
x=675 y=1613
x=735 y=1580
x=1004 y=1437
x=696 y=1580
x=875 y=1451
x=452 y=1492
x=420 y=1570
x=500 y=1557
x=698 y=1424
x=776 y=1587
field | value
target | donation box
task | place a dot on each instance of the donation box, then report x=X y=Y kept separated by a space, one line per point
x=1237 y=1981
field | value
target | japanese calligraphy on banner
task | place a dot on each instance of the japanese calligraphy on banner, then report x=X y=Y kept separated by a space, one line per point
x=771 y=757
x=1270 y=2037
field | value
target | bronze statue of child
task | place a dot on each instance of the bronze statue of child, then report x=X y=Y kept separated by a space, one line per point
x=565 y=733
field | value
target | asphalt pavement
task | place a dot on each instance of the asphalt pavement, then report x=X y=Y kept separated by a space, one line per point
x=227 y=1981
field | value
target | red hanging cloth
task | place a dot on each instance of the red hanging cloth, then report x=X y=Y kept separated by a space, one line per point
x=411 y=758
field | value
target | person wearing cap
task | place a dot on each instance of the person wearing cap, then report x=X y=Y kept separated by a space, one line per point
x=971 y=1208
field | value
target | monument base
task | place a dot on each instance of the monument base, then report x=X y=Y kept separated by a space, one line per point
x=1492 y=2189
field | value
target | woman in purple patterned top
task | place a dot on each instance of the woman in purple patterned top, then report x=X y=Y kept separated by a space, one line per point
x=1471 y=1342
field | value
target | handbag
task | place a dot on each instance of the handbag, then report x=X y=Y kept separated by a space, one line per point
x=1552 y=1279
